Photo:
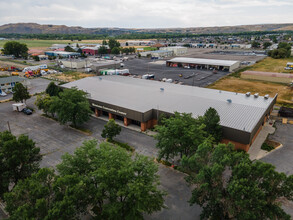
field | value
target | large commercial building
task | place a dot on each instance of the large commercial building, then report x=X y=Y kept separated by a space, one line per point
x=224 y=65
x=141 y=102
x=63 y=54
x=157 y=53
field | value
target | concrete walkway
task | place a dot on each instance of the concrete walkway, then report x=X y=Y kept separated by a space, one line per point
x=131 y=126
x=255 y=152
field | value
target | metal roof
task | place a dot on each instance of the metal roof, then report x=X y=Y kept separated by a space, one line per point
x=141 y=95
x=10 y=79
x=203 y=61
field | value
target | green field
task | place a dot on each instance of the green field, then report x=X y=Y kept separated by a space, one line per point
x=272 y=65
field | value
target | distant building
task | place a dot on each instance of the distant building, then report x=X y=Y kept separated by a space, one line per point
x=176 y=50
x=223 y=65
x=62 y=54
x=157 y=53
x=90 y=51
x=74 y=63
x=8 y=83
x=139 y=43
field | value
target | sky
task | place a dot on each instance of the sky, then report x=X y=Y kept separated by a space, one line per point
x=146 y=13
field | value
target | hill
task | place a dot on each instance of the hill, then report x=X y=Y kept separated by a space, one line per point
x=34 y=28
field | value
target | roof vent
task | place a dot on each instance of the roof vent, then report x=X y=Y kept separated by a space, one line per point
x=267 y=96
x=229 y=100
x=100 y=78
x=162 y=89
x=247 y=94
x=256 y=95
x=220 y=91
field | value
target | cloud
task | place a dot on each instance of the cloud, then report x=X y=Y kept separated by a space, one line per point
x=146 y=13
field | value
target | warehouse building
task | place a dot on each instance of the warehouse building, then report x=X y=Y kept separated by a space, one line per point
x=74 y=63
x=223 y=65
x=104 y=64
x=176 y=50
x=141 y=102
x=157 y=53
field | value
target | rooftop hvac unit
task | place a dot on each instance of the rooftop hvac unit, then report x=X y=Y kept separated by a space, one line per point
x=229 y=100
x=256 y=95
x=247 y=94
x=162 y=89
x=100 y=78
x=267 y=96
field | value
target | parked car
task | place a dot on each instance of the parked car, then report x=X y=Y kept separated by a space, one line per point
x=27 y=111
x=3 y=93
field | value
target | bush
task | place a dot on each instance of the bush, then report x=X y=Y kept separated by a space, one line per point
x=123 y=145
x=267 y=147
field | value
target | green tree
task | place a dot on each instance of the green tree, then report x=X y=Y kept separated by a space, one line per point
x=266 y=45
x=211 y=120
x=44 y=102
x=19 y=158
x=179 y=134
x=102 y=50
x=20 y=93
x=125 y=50
x=104 y=42
x=53 y=90
x=228 y=185
x=119 y=186
x=111 y=129
x=71 y=106
x=46 y=195
x=115 y=50
x=255 y=44
x=15 y=48
x=113 y=43
x=69 y=49
x=36 y=58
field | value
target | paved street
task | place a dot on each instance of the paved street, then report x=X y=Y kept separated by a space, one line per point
x=54 y=140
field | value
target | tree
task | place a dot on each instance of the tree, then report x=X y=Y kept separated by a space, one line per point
x=36 y=58
x=102 y=50
x=179 y=134
x=115 y=50
x=104 y=42
x=44 y=102
x=266 y=45
x=255 y=44
x=20 y=93
x=53 y=90
x=228 y=185
x=111 y=129
x=71 y=106
x=46 y=195
x=125 y=50
x=19 y=158
x=113 y=43
x=15 y=48
x=211 y=120
x=118 y=185
x=126 y=44
x=69 y=49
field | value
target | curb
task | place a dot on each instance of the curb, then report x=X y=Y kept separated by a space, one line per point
x=280 y=146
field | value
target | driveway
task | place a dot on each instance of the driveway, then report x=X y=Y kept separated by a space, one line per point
x=282 y=158
x=54 y=140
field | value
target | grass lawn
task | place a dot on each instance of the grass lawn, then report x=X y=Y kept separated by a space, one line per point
x=272 y=65
x=149 y=48
x=233 y=84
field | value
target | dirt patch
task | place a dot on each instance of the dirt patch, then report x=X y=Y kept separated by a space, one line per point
x=68 y=77
x=11 y=63
x=232 y=84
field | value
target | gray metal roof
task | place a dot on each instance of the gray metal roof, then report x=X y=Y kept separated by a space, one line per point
x=10 y=79
x=142 y=95
x=203 y=61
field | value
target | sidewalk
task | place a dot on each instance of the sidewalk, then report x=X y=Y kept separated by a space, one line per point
x=255 y=152
x=131 y=126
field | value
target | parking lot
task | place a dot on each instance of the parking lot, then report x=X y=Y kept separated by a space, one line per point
x=195 y=77
x=55 y=139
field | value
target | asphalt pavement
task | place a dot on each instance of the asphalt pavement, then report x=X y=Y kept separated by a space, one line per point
x=197 y=77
